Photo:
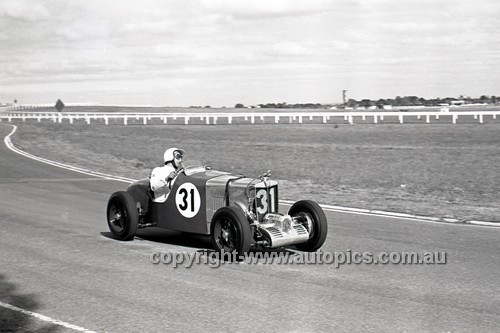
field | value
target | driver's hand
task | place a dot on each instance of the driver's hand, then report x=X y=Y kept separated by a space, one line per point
x=171 y=176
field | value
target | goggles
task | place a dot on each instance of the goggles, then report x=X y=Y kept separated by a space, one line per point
x=178 y=155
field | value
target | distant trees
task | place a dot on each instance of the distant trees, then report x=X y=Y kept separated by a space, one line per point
x=488 y=99
x=366 y=103
x=419 y=101
x=351 y=103
x=380 y=103
x=284 y=105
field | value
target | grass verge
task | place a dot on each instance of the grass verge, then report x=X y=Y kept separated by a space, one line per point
x=450 y=171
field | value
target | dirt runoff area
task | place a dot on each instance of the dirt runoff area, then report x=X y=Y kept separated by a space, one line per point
x=442 y=170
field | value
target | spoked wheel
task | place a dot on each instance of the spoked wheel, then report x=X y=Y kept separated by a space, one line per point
x=123 y=218
x=230 y=231
x=225 y=235
x=310 y=214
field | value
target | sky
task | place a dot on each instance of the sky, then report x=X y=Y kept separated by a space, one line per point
x=223 y=52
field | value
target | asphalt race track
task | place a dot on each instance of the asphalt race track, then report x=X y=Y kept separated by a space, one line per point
x=57 y=259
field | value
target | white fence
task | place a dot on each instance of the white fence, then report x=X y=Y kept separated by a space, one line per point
x=212 y=118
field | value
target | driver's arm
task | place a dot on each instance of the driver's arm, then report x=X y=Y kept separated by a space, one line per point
x=170 y=178
x=157 y=180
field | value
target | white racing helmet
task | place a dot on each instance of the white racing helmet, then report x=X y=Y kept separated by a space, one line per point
x=168 y=156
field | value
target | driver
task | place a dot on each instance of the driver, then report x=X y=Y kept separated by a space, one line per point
x=162 y=178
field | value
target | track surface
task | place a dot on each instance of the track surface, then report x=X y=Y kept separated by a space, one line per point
x=57 y=259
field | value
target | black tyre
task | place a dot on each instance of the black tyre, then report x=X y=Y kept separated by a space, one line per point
x=230 y=231
x=123 y=217
x=314 y=220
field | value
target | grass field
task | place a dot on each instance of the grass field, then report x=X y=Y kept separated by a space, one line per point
x=437 y=170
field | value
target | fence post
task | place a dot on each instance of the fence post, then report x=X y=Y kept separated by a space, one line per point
x=375 y=119
x=351 y=120
x=276 y=119
x=480 y=118
x=252 y=119
x=300 y=119
x=208 y=120
x=215 y=120
x=229 y=120
x=454 y=118
x=106 y=120
x=401 y=119
x=427 y=118
x=186 y=120
x=125 y=120
x=144 y=120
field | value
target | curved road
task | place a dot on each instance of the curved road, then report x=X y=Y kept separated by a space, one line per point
x=57 y=259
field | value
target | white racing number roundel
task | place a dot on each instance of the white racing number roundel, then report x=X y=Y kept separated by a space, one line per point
x=187 y=200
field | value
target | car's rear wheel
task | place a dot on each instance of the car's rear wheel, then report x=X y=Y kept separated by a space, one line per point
x=230 y=231
x=310 y=214
x=123 y=217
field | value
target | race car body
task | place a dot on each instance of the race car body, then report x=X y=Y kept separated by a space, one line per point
x=236 y=211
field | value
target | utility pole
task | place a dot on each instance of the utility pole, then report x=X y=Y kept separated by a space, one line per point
x=344 y=96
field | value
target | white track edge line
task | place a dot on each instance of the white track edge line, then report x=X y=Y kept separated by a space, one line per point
x=332 y=208
x=11 y=146
x=45 y=318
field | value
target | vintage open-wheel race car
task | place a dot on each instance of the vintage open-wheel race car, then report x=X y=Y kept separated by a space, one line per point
x=237 y=212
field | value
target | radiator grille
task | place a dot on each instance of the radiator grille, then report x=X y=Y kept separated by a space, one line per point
x=274 y=232
x=300 y=229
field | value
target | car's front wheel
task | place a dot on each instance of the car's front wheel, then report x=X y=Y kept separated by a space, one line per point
x=123 y=217
x=310 y=214
x=230 y=231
